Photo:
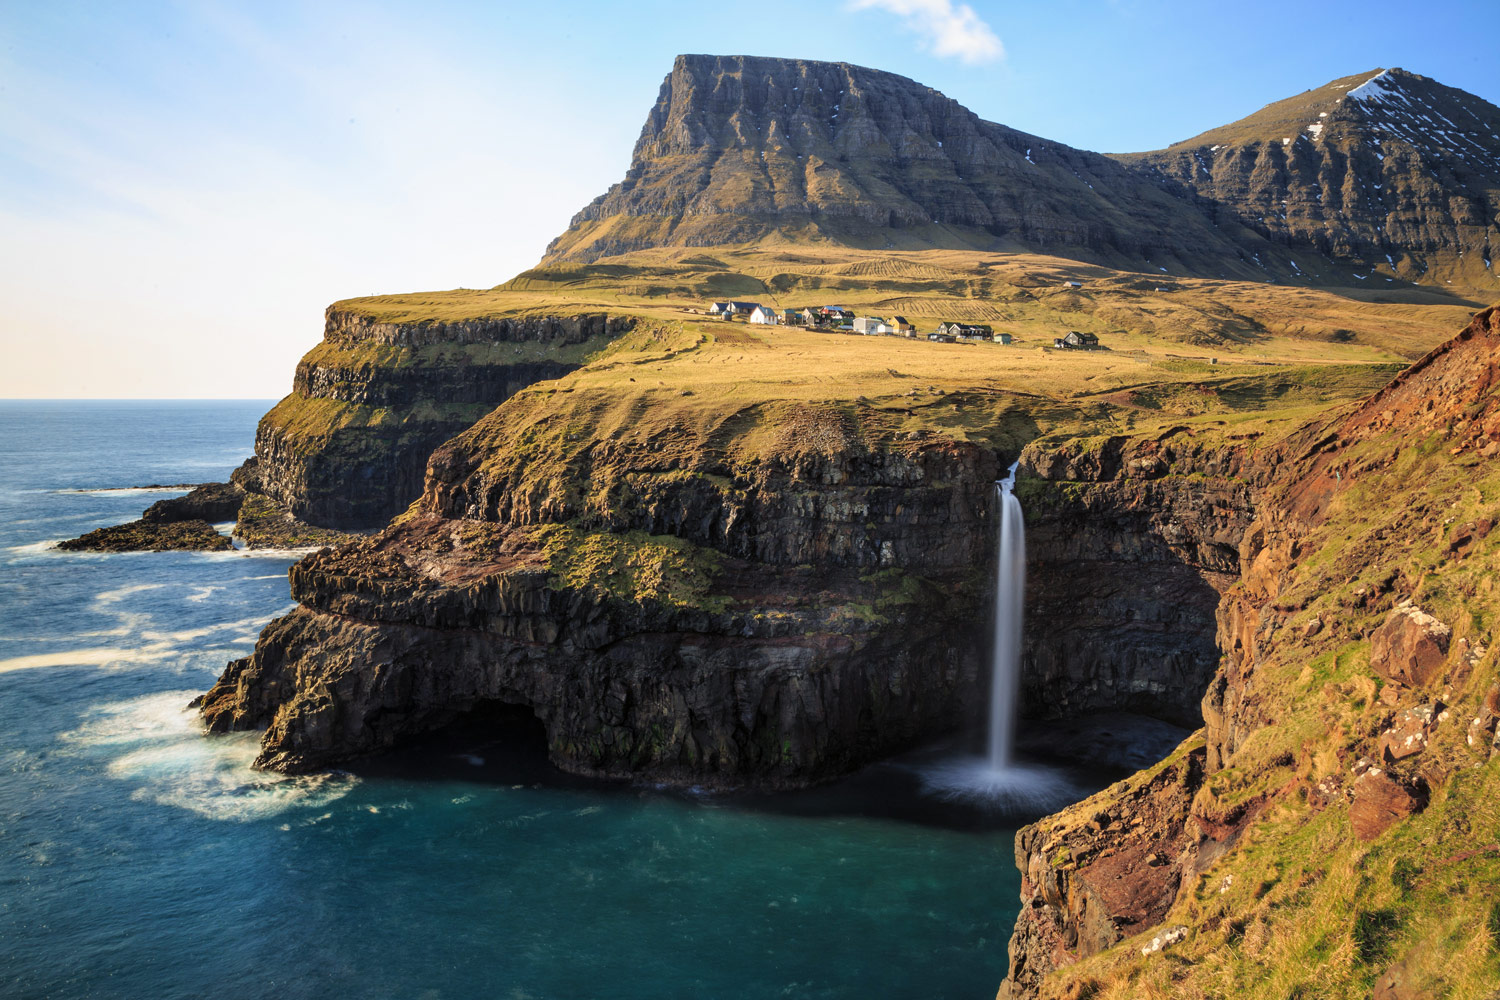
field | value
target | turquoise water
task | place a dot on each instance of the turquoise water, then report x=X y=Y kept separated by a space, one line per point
x=139 y=858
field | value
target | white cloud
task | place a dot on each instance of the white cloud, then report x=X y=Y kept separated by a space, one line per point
x=950 y=29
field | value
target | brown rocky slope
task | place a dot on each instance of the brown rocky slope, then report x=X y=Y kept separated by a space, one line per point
x=1333 y=830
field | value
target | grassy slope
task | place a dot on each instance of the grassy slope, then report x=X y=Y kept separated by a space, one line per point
x=1301 y=907
x=1020 y=293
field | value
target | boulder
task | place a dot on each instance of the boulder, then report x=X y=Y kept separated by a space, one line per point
x=1410 y=647
x=1380 y=800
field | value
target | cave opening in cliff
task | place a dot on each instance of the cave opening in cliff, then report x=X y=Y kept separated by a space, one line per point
x=492 y=741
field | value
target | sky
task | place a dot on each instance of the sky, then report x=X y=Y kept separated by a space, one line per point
x=184 y=186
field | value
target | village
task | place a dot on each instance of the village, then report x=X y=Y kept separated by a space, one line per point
x=839 y=319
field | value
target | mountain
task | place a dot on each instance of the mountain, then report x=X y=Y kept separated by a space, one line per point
x=1387 y=167
x=742 y=150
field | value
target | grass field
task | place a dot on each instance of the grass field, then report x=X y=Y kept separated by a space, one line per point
x=1020 y=293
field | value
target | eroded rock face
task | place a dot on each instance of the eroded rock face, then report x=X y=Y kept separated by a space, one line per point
x=1099 y=872
x=802 y=652
x=348 y=448
x=1130 y=545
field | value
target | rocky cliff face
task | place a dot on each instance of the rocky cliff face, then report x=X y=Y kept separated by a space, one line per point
x=348 y=447
x=1348 y=741
x=666 y=609
x=1130 y=542
x=1388 y=168
x=739 y=148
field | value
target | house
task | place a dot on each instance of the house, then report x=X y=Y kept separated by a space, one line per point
x=717 y=309
x=763 y=315
x=872 y=326
x=740 y=308
x=791 y=317
x=972 y=331
x=811 y=317
x=902 y=327
x=1072 y=284
x=1002 y=338
x=1077 y=340
x=947 y=329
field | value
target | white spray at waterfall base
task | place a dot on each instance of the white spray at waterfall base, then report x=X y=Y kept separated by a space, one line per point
x=997 y=779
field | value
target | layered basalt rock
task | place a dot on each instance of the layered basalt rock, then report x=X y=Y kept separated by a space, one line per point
x=1130 y=543
x=774 y=620
x=348 y=447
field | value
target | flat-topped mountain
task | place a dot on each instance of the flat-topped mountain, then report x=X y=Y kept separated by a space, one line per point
x=1385 y=167
x=741 y=149
x=1385 y=172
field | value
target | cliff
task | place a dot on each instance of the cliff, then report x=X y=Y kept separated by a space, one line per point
x=1332 y=828
x=1388 y=168
x=696 y=611
x=741 y=149
x=347 y=448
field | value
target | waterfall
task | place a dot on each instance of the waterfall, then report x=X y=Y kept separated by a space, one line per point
x=1010 y=596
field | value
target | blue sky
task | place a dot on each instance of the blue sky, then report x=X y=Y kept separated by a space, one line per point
x=184 y=186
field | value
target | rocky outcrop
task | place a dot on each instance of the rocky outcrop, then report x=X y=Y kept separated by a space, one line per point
x=1410 y=647
x=347 y=449
x=1103 y=870
x=150 y=536
x=741 y=148
x=212 y=502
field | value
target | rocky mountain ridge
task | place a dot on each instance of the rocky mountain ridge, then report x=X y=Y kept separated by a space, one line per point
x=1387 y=168
x=740 y=149
x=1376 y=176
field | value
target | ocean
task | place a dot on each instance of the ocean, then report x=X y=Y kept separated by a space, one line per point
x=141 y=858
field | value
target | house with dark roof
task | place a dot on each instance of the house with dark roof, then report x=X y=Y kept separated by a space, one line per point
x=902 y=327
x=1081 y=341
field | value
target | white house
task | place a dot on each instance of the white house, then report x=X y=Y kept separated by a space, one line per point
x=764 y=315
x=1072 y=284
x=872 y=325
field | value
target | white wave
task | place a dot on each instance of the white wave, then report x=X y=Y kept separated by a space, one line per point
x=203 y=593
x=172 y=762
x=95 y=657
x=35 y=548
x=292 y=554
x=113 y=596
x=156 y=646
x=128 y=491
